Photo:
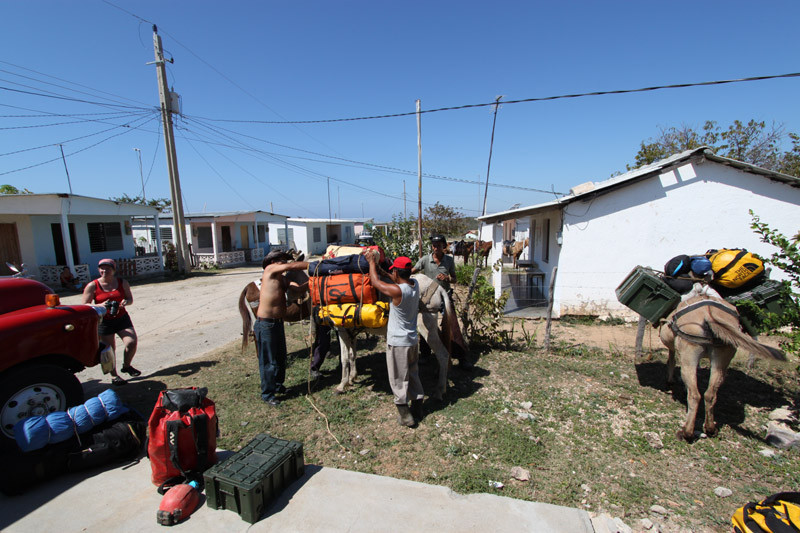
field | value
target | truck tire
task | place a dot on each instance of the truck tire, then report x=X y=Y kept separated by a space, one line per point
x=34 y=390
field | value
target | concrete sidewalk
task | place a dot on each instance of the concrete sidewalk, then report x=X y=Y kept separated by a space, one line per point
x=122 y=499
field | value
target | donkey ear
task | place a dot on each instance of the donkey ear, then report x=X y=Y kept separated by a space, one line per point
x=300 y=257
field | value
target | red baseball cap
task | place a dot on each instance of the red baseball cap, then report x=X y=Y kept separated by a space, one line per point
x=402 y=262
x=109 y=262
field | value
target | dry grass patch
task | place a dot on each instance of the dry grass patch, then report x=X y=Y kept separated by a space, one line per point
x=582 y=437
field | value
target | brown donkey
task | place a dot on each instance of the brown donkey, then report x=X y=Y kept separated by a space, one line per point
x=706 y=327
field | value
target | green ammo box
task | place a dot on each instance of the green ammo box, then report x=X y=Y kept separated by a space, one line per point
x=768 y=296
x=249 y=479
x=647 y=294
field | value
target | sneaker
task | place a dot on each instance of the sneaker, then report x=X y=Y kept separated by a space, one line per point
x=128 y=369
x=273 y=402
x=316 y=375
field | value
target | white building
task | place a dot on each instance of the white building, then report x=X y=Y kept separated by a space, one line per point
x=685 y=204
x=223 y=239
x=50 y=231
x=313 y=235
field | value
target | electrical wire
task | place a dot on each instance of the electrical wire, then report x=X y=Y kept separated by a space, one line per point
x=320 y=177
x=115 y=99
x=128 y=130
x=525 y=100
x=66 y=141
x=69 y=99
x=376 y=166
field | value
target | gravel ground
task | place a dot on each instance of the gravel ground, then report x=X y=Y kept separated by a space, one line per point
x=179 y=320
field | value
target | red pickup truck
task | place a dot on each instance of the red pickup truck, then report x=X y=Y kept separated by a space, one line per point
x=43 y=345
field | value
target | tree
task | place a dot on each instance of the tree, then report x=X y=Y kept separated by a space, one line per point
x=444 y=220
x=753 y=142
x=400 y=238
x=10 y=189
x=162 y=203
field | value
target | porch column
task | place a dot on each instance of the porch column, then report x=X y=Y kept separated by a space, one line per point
x=286 y=231
x=158 y=243
x=214 y=239
x=65 y=234
x=255 y=233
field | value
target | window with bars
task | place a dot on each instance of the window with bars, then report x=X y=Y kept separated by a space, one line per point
x=317 y=234
x=166 y=234
x=105 y=236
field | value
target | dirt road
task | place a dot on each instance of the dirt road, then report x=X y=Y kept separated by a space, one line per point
x=180 y=320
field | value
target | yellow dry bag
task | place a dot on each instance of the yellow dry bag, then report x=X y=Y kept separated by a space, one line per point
x=355 y=315
x=734 y=268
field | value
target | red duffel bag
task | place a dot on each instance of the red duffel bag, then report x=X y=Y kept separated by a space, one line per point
x=182 y=441
x=342 y=289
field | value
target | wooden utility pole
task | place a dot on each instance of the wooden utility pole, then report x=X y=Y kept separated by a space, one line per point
x=181 y=248
x=419 y=178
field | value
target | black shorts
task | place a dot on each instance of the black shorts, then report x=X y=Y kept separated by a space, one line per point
x=110 y=326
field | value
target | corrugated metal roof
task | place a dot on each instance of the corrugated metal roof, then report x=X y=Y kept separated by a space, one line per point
x=638 y=174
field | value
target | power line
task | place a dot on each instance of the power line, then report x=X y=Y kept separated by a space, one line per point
x=67 y=141
x=128 y=130
x=376 y=166
x=525 y=100
x=57 y=97
x=65 y=81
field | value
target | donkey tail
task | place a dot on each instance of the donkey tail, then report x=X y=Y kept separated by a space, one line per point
x=731 y=334
x=247 y=321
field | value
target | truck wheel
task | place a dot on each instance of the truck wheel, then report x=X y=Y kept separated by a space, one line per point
x=34 y=390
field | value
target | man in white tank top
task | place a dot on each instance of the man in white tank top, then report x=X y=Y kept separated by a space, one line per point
x=402 y=354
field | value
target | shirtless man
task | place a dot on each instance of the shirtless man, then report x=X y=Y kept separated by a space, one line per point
x=268 y=329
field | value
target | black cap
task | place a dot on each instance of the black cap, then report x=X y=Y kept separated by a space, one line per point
x=438 y=238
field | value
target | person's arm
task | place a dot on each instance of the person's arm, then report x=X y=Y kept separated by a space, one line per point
x=417 y=267
x=88 y=293
x=126 y=290
x=389 y=289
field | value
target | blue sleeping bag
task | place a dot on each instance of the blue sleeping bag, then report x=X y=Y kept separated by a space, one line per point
x=36 y=432
x=345 y=264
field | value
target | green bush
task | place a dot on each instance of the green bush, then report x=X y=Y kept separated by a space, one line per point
x=787 y=259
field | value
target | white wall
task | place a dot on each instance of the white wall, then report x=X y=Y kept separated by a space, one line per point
x=690 y=210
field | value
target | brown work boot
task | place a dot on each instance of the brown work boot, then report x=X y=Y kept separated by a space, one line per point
x=404 y=417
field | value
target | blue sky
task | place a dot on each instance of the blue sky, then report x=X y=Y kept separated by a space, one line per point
x=318 y=60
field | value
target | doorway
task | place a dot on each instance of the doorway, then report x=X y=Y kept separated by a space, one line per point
x=9 y=248
x=58 y=244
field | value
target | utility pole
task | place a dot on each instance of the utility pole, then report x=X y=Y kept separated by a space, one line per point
x=182 y=249
x=419 y=176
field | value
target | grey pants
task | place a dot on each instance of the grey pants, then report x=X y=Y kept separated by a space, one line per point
x=401 y=362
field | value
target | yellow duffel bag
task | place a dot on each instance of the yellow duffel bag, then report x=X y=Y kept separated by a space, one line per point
x=355 y=315
x=734 y=268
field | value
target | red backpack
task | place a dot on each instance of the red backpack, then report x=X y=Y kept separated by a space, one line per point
x=182 y=441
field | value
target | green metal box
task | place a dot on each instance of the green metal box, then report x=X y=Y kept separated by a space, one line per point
x=249 y=479
x=769 y=296
x=647 y=294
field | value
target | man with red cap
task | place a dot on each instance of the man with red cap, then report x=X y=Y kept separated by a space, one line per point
x=402 y=354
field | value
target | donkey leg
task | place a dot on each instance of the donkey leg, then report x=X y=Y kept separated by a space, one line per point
x=721 y=357
x=690 y=355
x=345 y=349
x=668 y=339
x=429 y=329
